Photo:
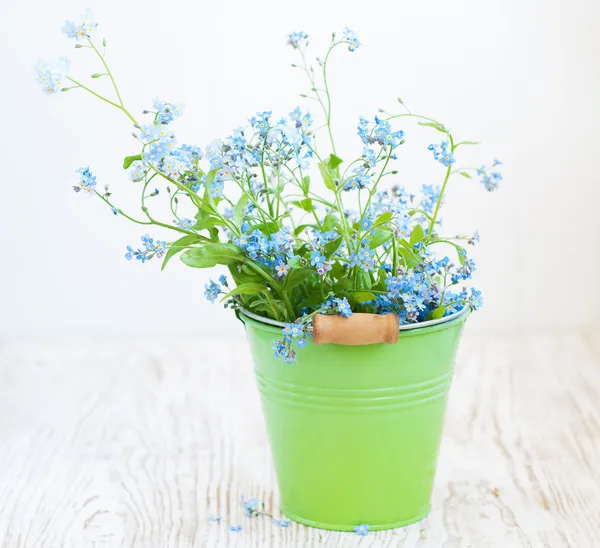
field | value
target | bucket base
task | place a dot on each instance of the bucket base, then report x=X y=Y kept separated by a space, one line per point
x=333 y=527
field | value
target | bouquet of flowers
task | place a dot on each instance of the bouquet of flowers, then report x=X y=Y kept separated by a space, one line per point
x=301 y=231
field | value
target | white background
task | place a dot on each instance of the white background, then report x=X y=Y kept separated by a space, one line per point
x=520 y=75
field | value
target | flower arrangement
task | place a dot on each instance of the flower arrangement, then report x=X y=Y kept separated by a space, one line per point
x=301 y=231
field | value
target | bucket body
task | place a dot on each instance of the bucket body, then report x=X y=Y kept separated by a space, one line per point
x=355 y=430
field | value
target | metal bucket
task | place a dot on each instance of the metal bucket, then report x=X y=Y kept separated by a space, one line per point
x=355 y=430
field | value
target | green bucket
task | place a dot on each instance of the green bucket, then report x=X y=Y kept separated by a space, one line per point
x=355 y=430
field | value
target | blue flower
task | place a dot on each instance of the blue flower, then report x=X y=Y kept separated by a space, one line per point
x=235 y=528
x=293 y=330
x=476 y=299
x=362 y=530
x=81 y=30
x=148 y=133
x=370 y=157
x=366 y=224
x=250 y=506
x=185 y=223
x=316 y=258
x=148 y=242
x=211 y=291
x=283 y=523
x=51 y=77
x=496 y=162
x=431 y=195
x=87 y=181
x=160 y=248
x=151 y=249
x=216 y=189
x=352 y=39
x=301 y=343
x=296 y=39
x=166 y=112
x=343 y=307
x=223 y=280
x=296 y=114
x=214 y=519
x=137 y=171
x=447 y=158
x=260 y=122
x=281 y=269
x=489 y=181
x=442 y=154
x=359 y=181
x=115 y=211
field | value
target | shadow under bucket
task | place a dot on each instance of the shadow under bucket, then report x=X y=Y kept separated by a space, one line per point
x=355 y=430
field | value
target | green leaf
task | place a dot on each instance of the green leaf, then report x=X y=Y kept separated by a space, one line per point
x=295 y=262
x=333 y=161
x=437 y=313
x=465 y=174
x=467 y=143
x=270 y=227
x=343 y=284
x=380 y=285
x=363 y=296
x=209 y=222
x=434 y=125
x=382 y=219
x=410 y=259
x=178 y=246
x=417 y=235
x=296 y=276
x=214 y=233
x=330 y=221
x=337 y=270
x=201 y=215
x=210 y=177
x=97 y=75
x=300 y=228
x=211 y=255
x=130 y=159
x=238 y=212
x=379 y=238
x=314 y=299
x=332 y=247
x=306 y=204
x=327 y=178
x=364 y=280
x=249 y=288
x=306 y=184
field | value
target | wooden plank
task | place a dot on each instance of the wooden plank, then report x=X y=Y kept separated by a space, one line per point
x=127 y=444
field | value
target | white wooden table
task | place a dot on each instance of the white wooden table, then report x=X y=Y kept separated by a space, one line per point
x=134 y=444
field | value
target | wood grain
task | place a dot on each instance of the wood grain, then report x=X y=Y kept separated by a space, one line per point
x=133 y=444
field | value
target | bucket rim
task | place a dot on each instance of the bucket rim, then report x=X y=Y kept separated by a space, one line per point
x=274 y=326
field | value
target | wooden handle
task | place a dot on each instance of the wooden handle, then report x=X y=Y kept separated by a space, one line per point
x=356 y=330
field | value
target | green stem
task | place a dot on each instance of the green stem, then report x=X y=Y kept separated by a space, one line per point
x=107 y=201
x=441 y=196
x=79 y=84
x=122 y=106
x=274 y=285
x=328 y=94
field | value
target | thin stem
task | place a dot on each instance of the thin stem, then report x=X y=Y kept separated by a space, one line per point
x=441 y=196
x=79 y=84
x=122 y=106
x=328 y=94
x=107 y=201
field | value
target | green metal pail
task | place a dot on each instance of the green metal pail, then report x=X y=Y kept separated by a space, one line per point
x=355 y=430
